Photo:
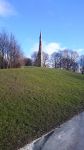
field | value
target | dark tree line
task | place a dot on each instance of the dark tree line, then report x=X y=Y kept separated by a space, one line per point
x=63 y=59
x=10 y=51
x=27 y=61
x=66 y=59
x=45 y=58
x=11 y=56
x=82 y=63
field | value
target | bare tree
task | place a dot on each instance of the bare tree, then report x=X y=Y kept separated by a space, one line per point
x=27 y=61
x=4 y=43
x=69 y=59
x=66 y=59
x=82 y=64
x=15 y=54
x=56 y=59
x=45 y=58
x=10 y=51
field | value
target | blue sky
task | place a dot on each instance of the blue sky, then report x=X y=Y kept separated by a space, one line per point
x=61 y=23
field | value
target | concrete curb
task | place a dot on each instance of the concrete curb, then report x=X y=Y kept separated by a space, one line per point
x=40 y=141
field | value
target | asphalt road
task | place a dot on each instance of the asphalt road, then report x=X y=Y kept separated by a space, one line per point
x=70 y=136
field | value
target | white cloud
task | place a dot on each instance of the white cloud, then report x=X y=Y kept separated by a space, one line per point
x=52 y=47
x=48 y=47
x=6 y=9
x=80 y=51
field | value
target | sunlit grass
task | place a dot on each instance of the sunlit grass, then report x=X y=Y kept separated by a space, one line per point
x=35 y=100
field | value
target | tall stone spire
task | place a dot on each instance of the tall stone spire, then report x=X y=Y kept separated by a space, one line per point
x=39 y=55
x=40 y=42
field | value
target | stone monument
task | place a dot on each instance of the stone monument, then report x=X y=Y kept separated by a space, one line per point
x=39 y=54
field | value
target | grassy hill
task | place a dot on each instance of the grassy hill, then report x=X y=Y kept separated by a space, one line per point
x=35 y=100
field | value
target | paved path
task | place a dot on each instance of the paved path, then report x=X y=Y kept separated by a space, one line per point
x=70 y=136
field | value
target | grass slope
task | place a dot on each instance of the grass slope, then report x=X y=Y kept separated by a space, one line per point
x=35 y=100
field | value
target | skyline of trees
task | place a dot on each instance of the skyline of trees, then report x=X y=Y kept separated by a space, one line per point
x=11 y=56
x=63 y=59
x=66 y=59
x=10 y=51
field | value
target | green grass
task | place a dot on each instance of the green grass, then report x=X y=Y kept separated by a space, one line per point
x=35 y=100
